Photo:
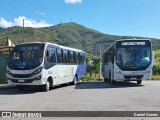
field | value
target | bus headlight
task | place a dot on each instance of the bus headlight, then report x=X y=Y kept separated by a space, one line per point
x=148 y=70
x=9 y=73
x=37 y=71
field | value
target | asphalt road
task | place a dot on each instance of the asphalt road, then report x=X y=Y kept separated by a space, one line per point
x=86 y=96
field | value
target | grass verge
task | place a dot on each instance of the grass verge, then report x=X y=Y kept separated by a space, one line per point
x=155 y=77
x=94 y=78
x=88 y=79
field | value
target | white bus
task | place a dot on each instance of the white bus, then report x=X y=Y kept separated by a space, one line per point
x=128 y=60
x=46 y=64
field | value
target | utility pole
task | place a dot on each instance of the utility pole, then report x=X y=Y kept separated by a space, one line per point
x=100 y=54
x=100 y=70
x=23 y=30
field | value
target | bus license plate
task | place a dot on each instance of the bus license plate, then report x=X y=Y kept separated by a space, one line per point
x=133 y=78
x=21 y=81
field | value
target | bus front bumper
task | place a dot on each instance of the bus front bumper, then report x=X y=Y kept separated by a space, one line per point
x=131 y=77
x=22 y=81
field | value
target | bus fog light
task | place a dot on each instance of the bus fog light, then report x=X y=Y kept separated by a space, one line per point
x=37 y=78
x=117 y=70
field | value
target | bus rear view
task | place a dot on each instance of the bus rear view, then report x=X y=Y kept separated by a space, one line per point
x=132 y=61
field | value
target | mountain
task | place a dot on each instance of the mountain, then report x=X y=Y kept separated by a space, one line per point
x=67 y=34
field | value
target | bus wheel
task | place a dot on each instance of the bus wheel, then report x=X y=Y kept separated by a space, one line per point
x=47 y=86
x=105 y=80
x=110 y=78
x=139 y=82
x=20 y=87
x=74 y=82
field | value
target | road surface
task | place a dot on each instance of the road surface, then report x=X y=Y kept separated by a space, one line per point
x=86 y=96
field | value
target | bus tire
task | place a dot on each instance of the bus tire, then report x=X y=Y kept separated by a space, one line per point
x=20 y=87
x=110 y=78
x=47 y=86
x=139 y=82
x=106 y=80
x=74 y=82
x=113 y=81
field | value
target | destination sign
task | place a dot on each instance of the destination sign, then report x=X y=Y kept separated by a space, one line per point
x=30 y=48
x=133 y=43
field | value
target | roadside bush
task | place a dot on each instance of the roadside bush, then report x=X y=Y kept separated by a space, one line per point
x=156 y=69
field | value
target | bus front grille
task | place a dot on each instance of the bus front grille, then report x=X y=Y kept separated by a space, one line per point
x=21 y=75
x=137 y=77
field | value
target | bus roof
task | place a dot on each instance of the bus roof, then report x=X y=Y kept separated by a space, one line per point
x=60 y=46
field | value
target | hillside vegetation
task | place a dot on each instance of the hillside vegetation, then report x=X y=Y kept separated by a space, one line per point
x=68 y=34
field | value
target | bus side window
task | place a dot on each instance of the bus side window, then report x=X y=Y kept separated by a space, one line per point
x=113 y=54
x=51 y=55
x=113 y=58
x=76 y=57
x=62 y=55
x=72 y=57
x=59 y=55
x=69 y=58
x=65 y=55
x=81 y=58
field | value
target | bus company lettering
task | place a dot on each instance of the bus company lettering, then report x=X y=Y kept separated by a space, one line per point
x=30 y=48
x=133 y=43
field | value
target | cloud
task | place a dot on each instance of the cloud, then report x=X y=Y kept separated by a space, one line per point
x=72 y=1
x=4 y=23
x=40 y=13
x=27 y=23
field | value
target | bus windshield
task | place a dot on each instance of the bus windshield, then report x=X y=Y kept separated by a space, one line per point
x=133 y=57
x=26 y=56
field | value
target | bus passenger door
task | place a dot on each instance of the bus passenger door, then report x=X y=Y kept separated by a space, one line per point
x=51 y=65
